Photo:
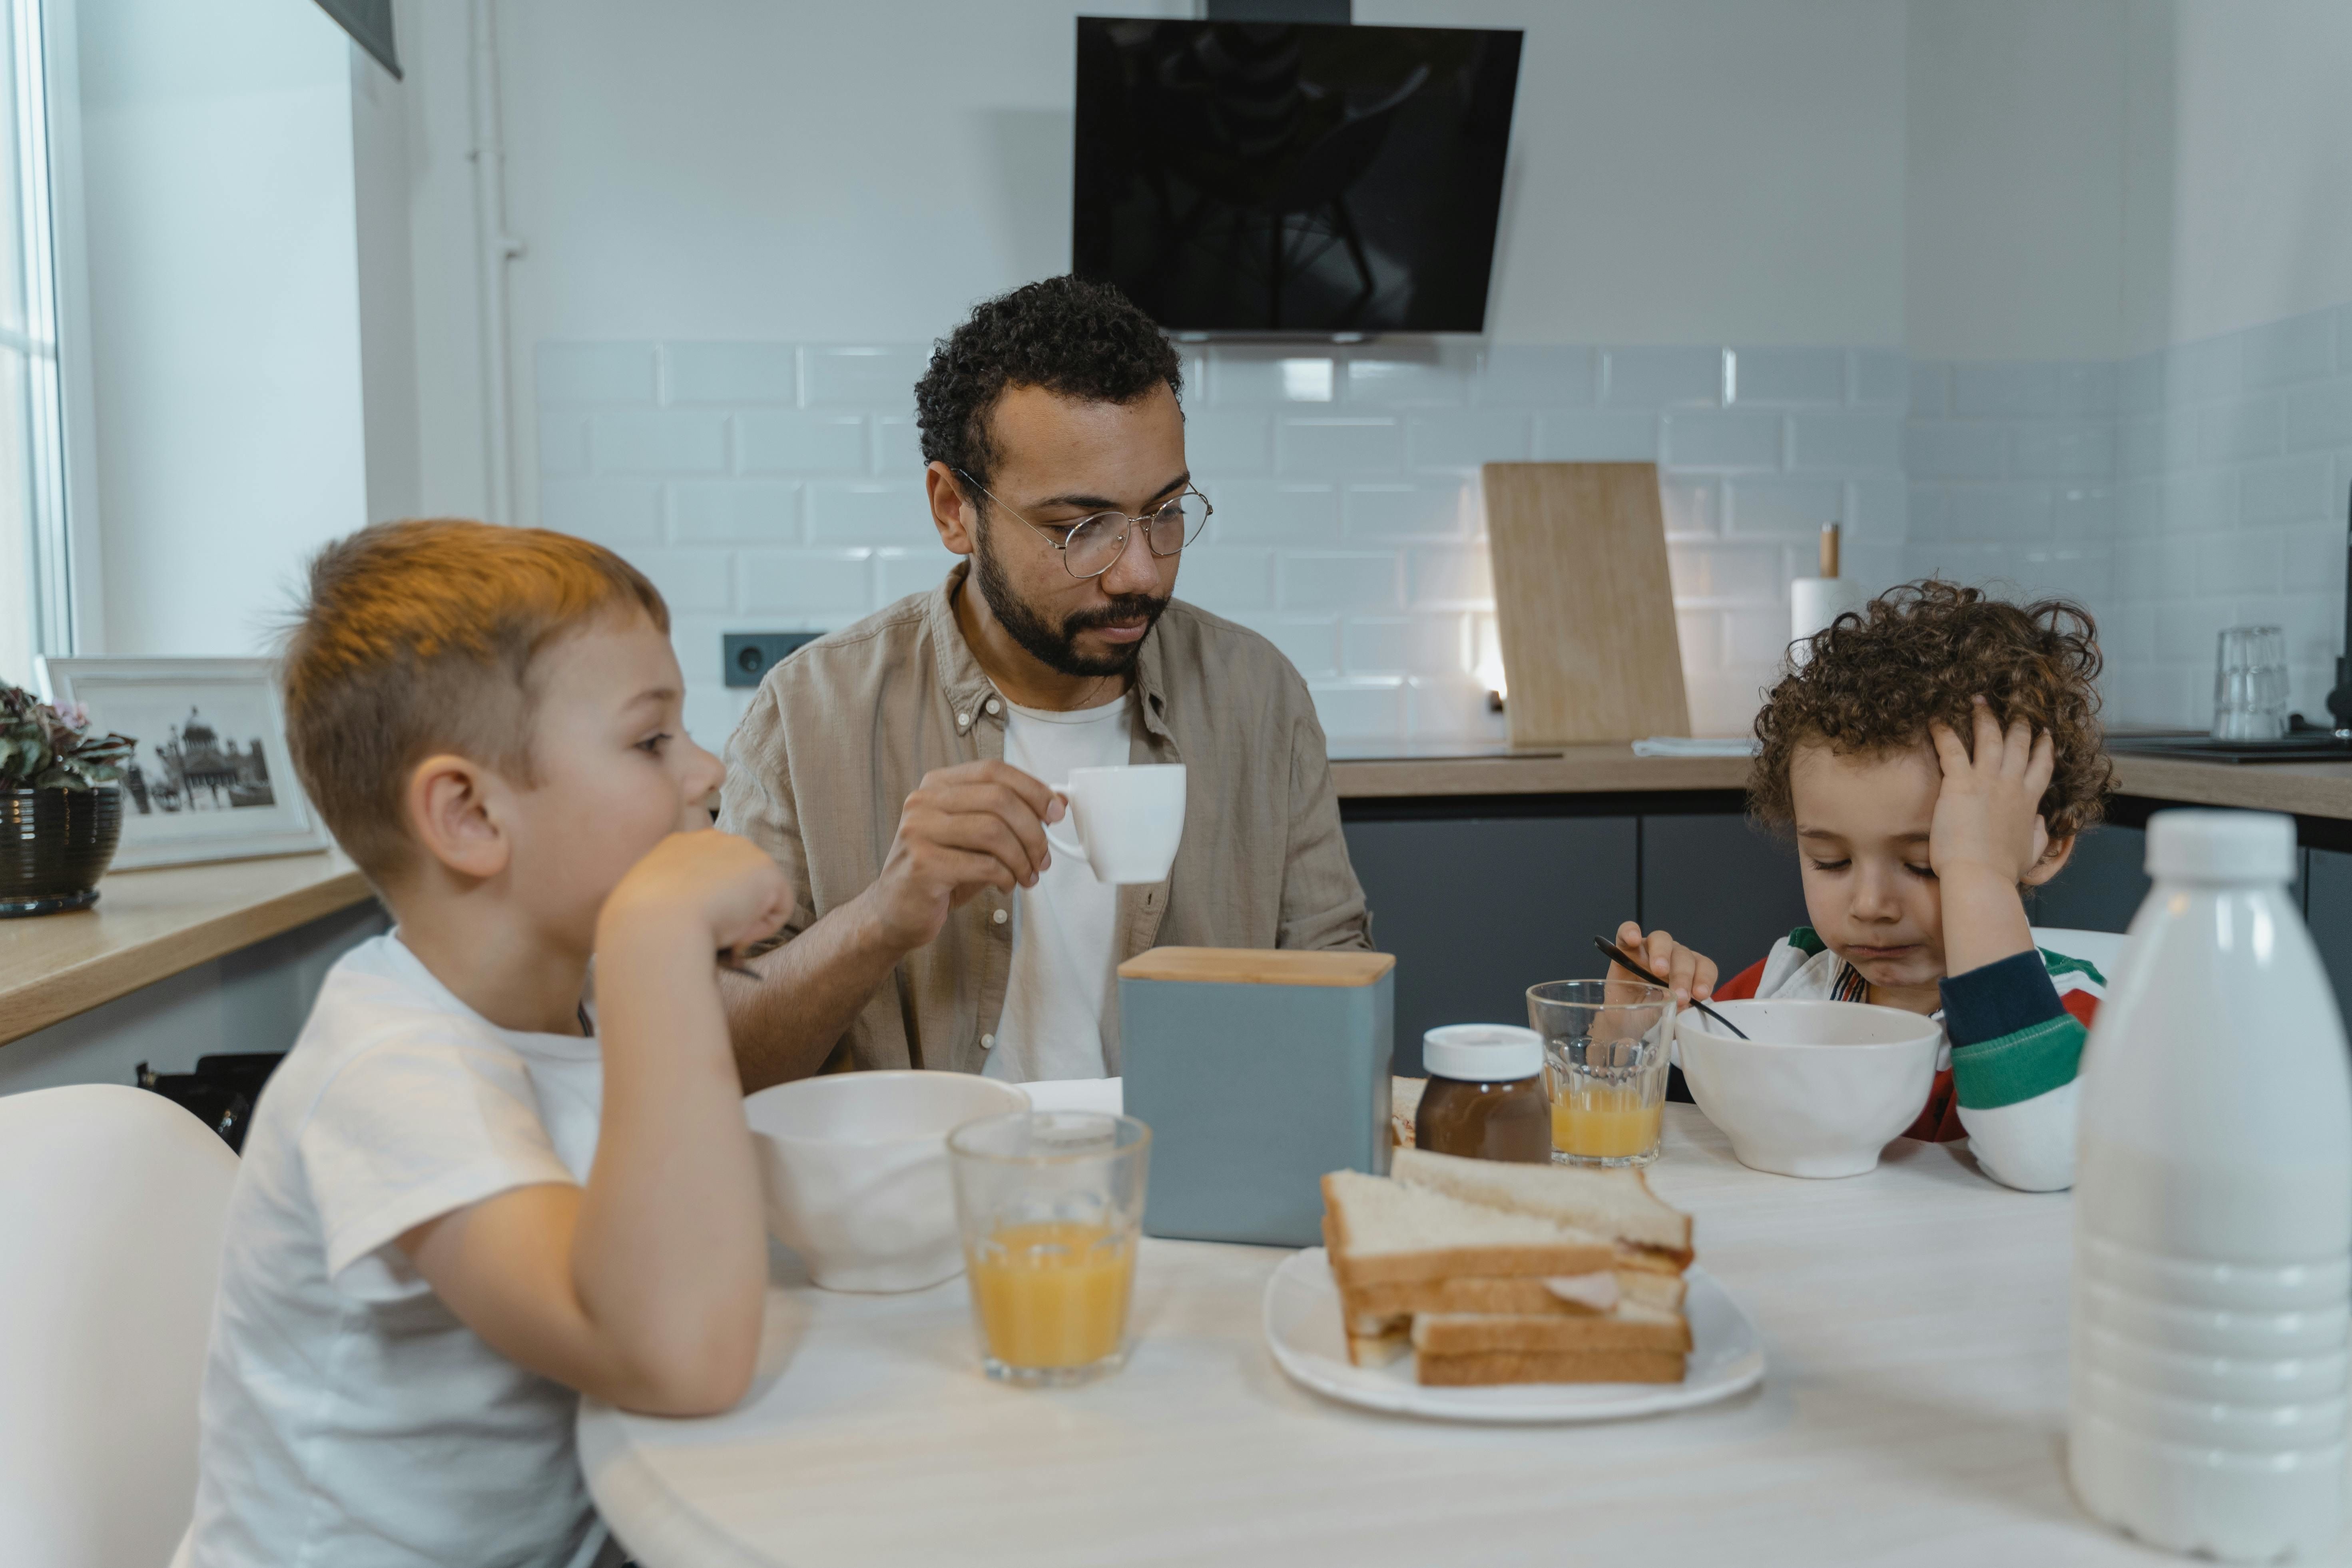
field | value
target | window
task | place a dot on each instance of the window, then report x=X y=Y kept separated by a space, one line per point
x=36 y=582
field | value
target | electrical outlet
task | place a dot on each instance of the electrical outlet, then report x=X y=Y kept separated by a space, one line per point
x=746 y=655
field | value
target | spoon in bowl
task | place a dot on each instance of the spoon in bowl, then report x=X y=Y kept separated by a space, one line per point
x=1617 y=956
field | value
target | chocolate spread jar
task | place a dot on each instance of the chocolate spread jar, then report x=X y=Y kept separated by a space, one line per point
x=1485 y=1097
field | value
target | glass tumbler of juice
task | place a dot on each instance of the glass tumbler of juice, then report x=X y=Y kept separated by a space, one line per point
x=1605 y=1055
x=1050 y=1203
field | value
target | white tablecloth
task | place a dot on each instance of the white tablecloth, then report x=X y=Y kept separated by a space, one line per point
x=1913 y=1413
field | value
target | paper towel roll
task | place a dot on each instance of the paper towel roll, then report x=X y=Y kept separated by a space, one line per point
x=1815 y=602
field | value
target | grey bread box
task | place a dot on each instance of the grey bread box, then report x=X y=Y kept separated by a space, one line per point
x=1257 y=1070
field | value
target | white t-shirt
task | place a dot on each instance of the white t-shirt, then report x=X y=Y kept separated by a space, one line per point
x=1066 y=929
x=349 y=1420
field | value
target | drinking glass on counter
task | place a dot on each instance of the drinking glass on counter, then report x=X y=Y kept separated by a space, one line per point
x=2249 y=680
x=1050 y=1205
x=1605 y=1056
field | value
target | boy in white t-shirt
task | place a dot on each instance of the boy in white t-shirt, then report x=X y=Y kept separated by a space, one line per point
x=460 y=1205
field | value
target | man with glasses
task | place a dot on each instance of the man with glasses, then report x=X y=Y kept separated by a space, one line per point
x=898 y=769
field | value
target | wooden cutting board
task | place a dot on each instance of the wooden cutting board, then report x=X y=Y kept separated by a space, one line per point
x=1584 y=604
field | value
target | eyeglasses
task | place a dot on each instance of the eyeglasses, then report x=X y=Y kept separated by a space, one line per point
x=1092 y=545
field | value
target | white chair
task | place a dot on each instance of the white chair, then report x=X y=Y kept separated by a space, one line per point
x=2099 y=949
x=111 y=1206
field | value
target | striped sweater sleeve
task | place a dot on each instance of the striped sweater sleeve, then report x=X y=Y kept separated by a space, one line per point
x=2016 y=1049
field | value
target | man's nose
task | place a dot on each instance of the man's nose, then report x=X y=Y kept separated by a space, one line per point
x=1137 y=570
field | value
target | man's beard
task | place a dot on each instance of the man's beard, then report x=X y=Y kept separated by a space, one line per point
x=1058 y=647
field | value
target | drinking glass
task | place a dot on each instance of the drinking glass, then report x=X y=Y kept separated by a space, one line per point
x=1605 y=1050
x=1050 y=1205
x=2250 y=685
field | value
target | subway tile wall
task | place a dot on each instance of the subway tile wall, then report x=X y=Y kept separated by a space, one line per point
x=2174 y=494
x=778 y=487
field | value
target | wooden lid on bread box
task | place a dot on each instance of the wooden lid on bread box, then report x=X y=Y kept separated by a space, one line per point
x=1257 y=1070
x=1258 y=966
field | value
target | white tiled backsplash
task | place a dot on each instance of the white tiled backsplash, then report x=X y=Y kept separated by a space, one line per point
x=778 y=487
x=2176 y=493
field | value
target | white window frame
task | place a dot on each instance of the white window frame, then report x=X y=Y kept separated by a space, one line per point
x=61 y=463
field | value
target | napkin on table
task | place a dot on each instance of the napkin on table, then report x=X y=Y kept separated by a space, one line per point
x=1696 y=746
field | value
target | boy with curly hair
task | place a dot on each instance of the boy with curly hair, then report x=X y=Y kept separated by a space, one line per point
x=1935 y=754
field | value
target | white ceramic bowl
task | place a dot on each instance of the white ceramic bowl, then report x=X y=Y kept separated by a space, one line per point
x=856 y=1167
x=1818 y=1089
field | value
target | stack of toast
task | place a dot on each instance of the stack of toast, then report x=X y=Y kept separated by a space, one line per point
x=1493 y=1273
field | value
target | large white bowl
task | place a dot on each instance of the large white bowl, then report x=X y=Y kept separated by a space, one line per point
x=856 y=1167
x=1818 y=1089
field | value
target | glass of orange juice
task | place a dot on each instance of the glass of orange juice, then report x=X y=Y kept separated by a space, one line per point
x=1050 y=1203
x=1605 y=1053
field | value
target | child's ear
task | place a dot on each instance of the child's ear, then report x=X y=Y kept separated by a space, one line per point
x=450 y=811
x=2054 y=860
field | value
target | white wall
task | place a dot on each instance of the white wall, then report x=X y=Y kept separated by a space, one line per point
x=391 y=402
x=1684 y=170
x=434 y=184
x=2093 y=179
x=1698 y=171
x=217 y=156
x=2256 y=220
x=2014 y=200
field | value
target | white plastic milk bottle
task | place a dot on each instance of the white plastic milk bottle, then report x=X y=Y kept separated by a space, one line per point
x=2213 y=1210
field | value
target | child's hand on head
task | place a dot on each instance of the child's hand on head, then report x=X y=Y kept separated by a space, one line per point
x=728 y=885
x=1987 y=810
x=1688 y=973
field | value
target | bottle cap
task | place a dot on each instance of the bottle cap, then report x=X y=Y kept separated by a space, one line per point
x=1481 y=1053
x=2221 y=846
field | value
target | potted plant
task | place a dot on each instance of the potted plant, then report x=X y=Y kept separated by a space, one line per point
x=61 y=814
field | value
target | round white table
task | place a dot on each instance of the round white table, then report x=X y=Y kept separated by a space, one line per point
x=1912 y=1411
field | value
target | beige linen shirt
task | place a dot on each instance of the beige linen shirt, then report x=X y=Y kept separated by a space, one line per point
x=844 y=730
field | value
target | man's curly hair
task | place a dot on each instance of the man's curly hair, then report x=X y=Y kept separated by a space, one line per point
x=1065 y=334
x=1873 y=679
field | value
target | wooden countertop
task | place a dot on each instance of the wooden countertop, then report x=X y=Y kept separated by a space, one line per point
x=1563 y=770
x=2304 y=789
x=148 y=925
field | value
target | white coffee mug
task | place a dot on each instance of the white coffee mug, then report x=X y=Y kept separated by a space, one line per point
x=1128 y=820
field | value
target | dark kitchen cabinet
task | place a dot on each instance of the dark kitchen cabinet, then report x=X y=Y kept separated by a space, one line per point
x=2327 y=878
x=1478 y=909
x=1716 y=883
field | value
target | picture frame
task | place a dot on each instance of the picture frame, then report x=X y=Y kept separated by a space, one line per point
x=211 y=779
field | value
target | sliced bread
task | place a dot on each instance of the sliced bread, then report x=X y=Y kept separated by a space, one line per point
x=1404 y=1109
x=1472 y=1333
x=1615 y=1203
x=1368 y=1305
x=1385 y=1232
x=1478 y=1369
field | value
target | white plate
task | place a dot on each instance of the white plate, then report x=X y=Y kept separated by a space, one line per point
x=1302 y=1329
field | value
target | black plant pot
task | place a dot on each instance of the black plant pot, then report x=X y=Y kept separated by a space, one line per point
x=55 y=843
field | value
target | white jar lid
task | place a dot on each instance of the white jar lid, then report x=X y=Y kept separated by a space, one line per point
x=2221 y=846
x=1481 y=1053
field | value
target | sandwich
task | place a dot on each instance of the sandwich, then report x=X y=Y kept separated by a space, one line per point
x=1498 y=1273
x=1647 y=1232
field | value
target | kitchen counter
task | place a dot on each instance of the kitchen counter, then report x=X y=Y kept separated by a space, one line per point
x=148 y=925
x=2302 y=789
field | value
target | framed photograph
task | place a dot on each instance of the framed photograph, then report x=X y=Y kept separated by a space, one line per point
x=211 y=779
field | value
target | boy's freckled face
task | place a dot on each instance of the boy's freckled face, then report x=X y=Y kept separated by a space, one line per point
x=1862 y=845
x=615 y=771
